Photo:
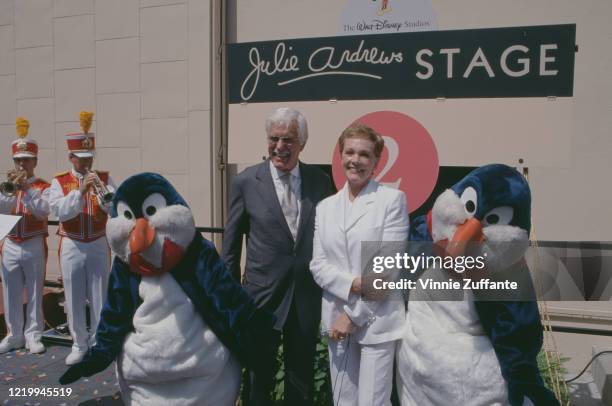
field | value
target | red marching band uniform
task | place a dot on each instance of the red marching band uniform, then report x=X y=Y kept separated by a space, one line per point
x=83 y=251
x=90 y=224
x=29 y=226
x=24 y=252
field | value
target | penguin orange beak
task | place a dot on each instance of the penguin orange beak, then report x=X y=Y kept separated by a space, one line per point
x=470 y=231
x=141 y=237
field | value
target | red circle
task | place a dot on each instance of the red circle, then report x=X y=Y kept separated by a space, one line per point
x=415 y=167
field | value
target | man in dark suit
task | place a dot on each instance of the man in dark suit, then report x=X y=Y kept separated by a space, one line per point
x=273 y=204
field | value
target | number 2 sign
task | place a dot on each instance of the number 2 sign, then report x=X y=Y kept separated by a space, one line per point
x=409 y=161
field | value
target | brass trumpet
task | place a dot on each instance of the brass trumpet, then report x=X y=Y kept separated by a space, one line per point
x=102 y=193
x=10 y=187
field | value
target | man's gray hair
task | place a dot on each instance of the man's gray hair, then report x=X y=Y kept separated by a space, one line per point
x=286 y=116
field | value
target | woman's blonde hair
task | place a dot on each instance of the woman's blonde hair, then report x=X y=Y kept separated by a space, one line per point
x=363 y=132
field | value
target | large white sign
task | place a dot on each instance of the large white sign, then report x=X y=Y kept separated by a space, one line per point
x=385 y=16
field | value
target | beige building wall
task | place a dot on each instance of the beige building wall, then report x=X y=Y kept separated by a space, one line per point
x=143 y=67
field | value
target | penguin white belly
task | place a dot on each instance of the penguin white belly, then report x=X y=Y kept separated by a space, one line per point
x=173 y=357
x=445 y=358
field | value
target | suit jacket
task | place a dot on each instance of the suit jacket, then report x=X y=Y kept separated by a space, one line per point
x=378 y=214
x=277 y=267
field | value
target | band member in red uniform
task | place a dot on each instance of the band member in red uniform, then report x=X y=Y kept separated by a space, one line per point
x=80 y=200
x=24 y=251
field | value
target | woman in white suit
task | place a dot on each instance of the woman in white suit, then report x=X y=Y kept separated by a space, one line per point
x=362 y=333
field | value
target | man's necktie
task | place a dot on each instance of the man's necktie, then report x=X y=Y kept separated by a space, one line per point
x=289 y=204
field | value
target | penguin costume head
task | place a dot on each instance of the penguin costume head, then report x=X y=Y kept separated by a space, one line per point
x=491 y=206
x=151 y=225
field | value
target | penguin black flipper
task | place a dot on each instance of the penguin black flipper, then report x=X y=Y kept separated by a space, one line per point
x=515 y=331
x=225 y=307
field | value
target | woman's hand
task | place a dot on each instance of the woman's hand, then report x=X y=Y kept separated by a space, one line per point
x=356 y=285
x=341 y=328
x=367 y=291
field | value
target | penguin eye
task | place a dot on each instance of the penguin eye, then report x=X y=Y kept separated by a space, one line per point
x=499 y=216
x=124 y=210
x=153 y=204
x=469 y=200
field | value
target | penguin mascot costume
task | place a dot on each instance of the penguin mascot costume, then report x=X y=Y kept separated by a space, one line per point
x=466 y=351
x=175 y=320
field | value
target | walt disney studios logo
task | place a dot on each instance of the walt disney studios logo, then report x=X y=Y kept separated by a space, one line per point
x=386 y=16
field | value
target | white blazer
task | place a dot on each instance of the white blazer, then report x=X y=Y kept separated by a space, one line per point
x=379 y=213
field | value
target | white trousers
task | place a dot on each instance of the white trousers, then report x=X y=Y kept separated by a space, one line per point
x=23 y=265
x=361 y=374
x=85 y=270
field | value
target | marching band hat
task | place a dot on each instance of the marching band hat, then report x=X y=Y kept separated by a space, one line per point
x=24 y=147
x=82 y=144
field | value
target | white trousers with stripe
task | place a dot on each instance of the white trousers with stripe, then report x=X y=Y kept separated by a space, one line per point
x=23 y=266
x=361 y=375
x=85 y=271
